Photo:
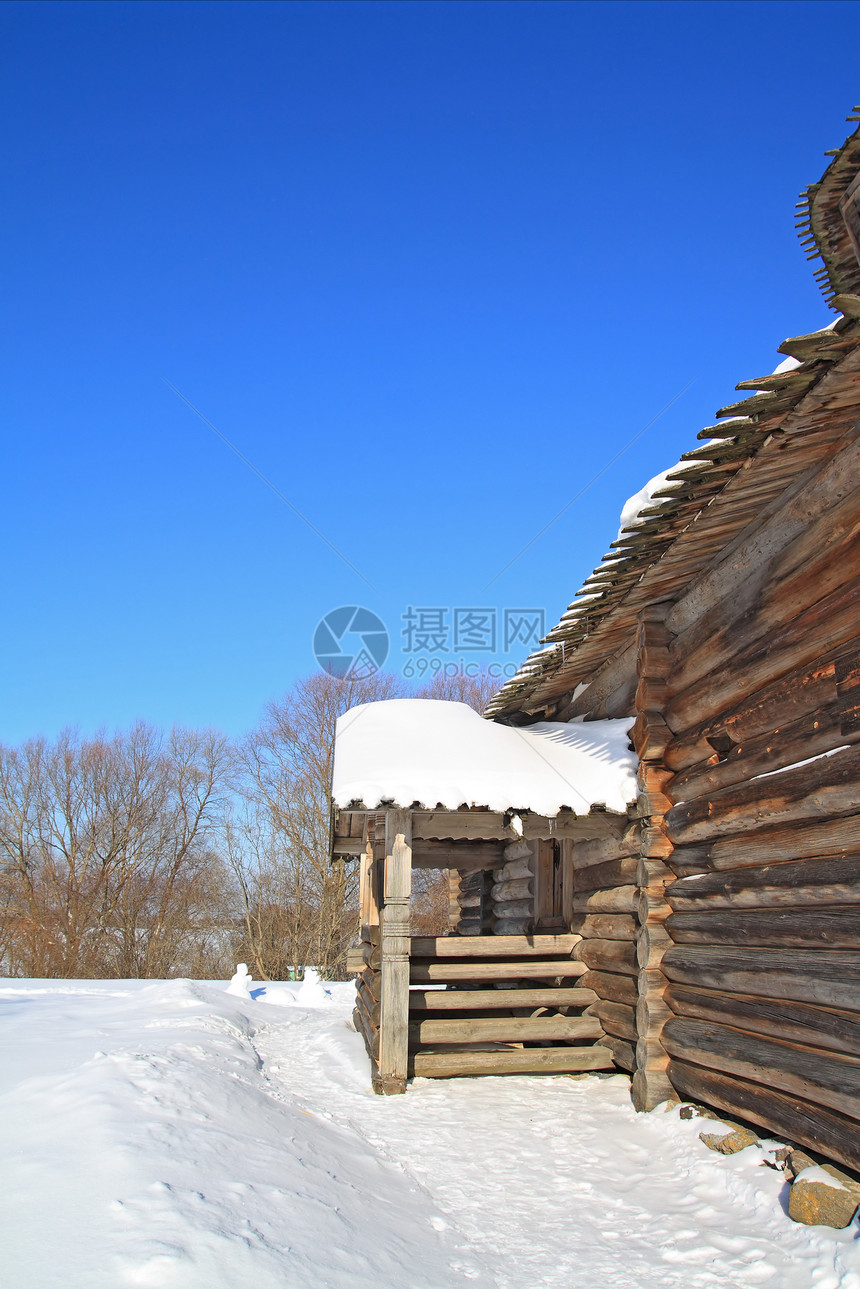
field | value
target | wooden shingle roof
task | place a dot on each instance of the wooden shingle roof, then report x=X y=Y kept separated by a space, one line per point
x=766 y=442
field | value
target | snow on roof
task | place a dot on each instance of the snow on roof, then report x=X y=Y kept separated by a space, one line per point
x=444 y=754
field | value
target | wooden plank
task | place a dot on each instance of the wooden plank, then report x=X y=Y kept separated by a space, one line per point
x=508 y=1029
x=489 y=999
x=545 y=969
x=488 y=825
x=821 y=790
x=823 y=1027
x=493 y=946
x=534 y=1060
x=827 y=1079
x=803 y=883
x=611 y=985
x=825 y=977
x=833 y=1135
x=394 y=1019
x=835 y=928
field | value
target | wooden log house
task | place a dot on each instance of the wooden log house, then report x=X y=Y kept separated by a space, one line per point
x=710 y=933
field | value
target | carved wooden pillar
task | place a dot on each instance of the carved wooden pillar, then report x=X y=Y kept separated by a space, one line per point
x=650 y=737
x=394 y=1003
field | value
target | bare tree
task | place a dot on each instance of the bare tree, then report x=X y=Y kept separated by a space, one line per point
x=108 y=862
x=475 y=690
x=299 y=908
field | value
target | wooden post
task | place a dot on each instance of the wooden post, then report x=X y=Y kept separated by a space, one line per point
x=368 y=901
x=651 y=1080
x=394 y=1003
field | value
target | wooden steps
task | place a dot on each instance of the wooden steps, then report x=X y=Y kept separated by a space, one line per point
x=533 y=1024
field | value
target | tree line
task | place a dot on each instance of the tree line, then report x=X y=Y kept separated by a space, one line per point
x=156 y=854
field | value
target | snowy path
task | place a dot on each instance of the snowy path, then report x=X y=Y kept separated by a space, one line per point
x=167 y=1134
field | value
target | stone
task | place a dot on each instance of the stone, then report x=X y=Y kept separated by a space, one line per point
x=730 y=1139
x=822 y=1196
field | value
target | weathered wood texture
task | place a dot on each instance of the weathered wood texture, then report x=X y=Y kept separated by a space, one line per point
x=834 y=1135
x=529 y=1060
x=521 y=946
x=394 y=966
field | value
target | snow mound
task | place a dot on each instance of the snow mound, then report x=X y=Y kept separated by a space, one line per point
x=436 y=753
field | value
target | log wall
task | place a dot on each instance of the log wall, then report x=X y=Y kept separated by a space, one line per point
x=604 y=907
x=762 y=719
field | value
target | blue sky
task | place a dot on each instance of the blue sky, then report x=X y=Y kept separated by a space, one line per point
x=429 y=266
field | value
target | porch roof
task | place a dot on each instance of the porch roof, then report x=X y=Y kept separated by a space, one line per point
x=413 y=751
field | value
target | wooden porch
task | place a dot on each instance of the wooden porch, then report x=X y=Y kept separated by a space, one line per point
x=438 y=1007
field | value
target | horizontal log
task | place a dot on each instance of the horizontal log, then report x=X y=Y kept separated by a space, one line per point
x=833 y=618
x=470 y=900
x=371 y=955
x=608 y=955
x=354 y=960
x=835 y=928
x=618 y=899
x=528 y=1060
x=616 y=872
x=460 y=855
x=833 y=1135
x=488 y=825
x=822 y=789
x=605 y=926
x=623 y=1053
x=618 y=1019
x=824 y=1027
x=520 y=889
x=803 y=883
x=828 y=1079
x=757 y=714
x=467 y=927
x=826 y=977
x=511 y=925
x=493 y=946
x=611 y=985
x=819 y=731
x=821 y=839
x=514 y=909
x=367 y=1032
x=516 y=868
x=368 y=1002
x=587 y=853
x=508 y=1029
x=816 y=564
x=481 y=999
x=423 y=973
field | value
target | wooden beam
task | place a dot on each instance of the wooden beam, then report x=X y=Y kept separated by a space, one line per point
x=394 y=1015
x=446 y=1000
x=545 y=969
x=534 y=1060
x=492 y=946
x=508 y=1029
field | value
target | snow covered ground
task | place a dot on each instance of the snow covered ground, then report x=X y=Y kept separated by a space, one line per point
x=172 y=1134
